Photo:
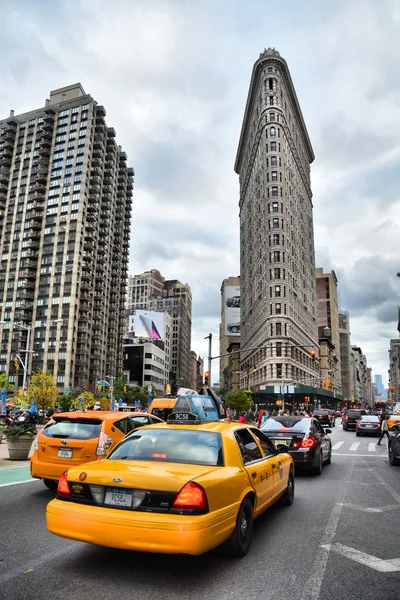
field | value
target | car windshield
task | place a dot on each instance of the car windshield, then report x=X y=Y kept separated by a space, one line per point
x=178 y=446
x=355 y=413
x=77 y=429
x=323 y=411
x=370 y=418
x=288 y=423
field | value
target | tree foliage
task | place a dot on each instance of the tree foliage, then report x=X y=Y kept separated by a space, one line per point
x=4 y=383
x=238 y=400
x=43 y=390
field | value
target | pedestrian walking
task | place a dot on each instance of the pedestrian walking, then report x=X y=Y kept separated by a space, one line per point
x=242 y=418
x=384 y=429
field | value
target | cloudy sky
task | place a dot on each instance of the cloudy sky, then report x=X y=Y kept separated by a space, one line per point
x=174 y=76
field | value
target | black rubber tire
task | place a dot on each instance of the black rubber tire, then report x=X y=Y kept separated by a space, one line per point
x=318 y=469
x=393 y=460
x=288 y=496
x=239 y=543
x=51 y=484
x=358 y=434
x=329 y=459
x=345 y=429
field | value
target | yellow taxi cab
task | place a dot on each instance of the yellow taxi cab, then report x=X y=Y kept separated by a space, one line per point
x=393 y=420
x=162 y=407
x=72 y=438
x=181 y=487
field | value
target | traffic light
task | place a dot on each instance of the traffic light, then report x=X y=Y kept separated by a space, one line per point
x=124 y=388
x=313 y=354
x=392 y=388
x=207 y=378
x=16 y=362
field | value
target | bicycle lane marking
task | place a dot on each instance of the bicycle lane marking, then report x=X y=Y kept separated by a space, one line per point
x=15 y=475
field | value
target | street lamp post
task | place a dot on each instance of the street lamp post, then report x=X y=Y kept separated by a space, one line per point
x=28 y=328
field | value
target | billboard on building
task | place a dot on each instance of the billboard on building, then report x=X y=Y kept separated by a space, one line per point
x=232 y=310
x=147 y=324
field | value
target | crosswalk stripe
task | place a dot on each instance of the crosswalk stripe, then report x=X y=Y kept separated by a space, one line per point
x=372 y=447
x=337 y=445
x=354 y=446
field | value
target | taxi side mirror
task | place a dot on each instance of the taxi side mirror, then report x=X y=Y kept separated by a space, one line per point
x=328 y=430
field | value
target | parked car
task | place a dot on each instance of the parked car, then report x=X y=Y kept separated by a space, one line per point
x=394 y=445
x=351 y=417
x=307 y=442
x=325 y=416
x=233 y=327
x=70 y=439
x=368 y=425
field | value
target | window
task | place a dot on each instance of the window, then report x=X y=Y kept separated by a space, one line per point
x=277 y=291
x=275 y=207
x=264 y=442
x=278 y=308
x=275 y=223
x=274 y=191
x=247 y=446
x=274 y=176
x=278 y=327
x=279 y=348
x=277 y=273
x=275 y=239
x=277 y=256
x=273 y=161
x=272 y=116
x=273 y=147
x=272 y=131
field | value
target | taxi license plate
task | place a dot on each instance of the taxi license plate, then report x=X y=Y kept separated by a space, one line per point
x=368 y=425
x=321 y=417
x=62 y=453
x=281 y=441
x=118 y=497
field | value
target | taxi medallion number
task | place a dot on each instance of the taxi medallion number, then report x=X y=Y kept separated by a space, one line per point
x=182 y=416
x=63 y=453
x=118 y=497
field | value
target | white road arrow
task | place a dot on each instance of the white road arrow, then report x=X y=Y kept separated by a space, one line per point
x=383 y=566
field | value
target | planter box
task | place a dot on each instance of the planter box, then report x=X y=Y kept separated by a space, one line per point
x=1 y=434
x=20 y=448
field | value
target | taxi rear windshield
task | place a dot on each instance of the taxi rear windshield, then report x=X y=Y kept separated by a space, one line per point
x=188 y=447
x=75 y=429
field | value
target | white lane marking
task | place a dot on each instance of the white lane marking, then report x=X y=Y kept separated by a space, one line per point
x=14 y=467
x=383 y=566
x=17 y=482
x=337 y=445
x=354 y=446
x=372 y=447
x=313 y=584
x=363 y=455
x=385 y=508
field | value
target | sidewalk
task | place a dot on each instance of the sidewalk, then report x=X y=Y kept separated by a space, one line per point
x=6 y=462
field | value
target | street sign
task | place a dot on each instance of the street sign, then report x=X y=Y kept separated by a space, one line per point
x=102 y=383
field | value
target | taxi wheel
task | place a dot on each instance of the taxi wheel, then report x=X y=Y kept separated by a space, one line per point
x=288 y=496
x=51 y=484
x=393 y=460
x=239 y=543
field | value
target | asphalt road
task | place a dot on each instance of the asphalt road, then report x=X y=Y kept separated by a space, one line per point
x=335 y=542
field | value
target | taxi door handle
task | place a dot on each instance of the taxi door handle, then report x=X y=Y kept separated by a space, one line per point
x=274 y=466
x=254 y=475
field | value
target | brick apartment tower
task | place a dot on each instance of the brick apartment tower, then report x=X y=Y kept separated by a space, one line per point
x=65 y=202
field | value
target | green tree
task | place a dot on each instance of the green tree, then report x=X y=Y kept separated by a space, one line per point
x=4 y=383
x=43 y=390
x=238 y=401
x=84 y=400
x=64 y=402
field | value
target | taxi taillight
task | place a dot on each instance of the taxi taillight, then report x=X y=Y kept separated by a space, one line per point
x=192 y=498
x=104 y=444
x=308 y=442
x=63 y=486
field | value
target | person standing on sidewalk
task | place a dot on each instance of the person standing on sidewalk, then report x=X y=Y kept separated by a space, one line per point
x=384 y=429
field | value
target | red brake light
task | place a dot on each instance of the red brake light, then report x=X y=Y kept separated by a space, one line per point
x=191 y=497
x=63 y=486
x=346 y=418
x=308 y=443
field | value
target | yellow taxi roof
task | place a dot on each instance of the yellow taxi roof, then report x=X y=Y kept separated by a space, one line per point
x=102 y=415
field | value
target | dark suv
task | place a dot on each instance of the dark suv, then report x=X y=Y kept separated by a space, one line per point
x=325 y=416
x=351 y=417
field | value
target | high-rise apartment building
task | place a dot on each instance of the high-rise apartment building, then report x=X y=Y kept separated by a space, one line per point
x=345 y=355
x=229 y=329
x=328 y=328
x=150 y=291
x=65 y=205
x=277 y=269
x=394 y=370
x=361 y=378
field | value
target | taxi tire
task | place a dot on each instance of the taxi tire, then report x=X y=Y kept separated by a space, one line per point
x=238 y=544
x=51 y=484
x=288 y=495
x=393 y=460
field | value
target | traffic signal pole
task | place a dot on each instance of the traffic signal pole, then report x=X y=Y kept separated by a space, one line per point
x=210 y=358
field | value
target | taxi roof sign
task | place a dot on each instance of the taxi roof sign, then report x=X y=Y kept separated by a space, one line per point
x=193 y=409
